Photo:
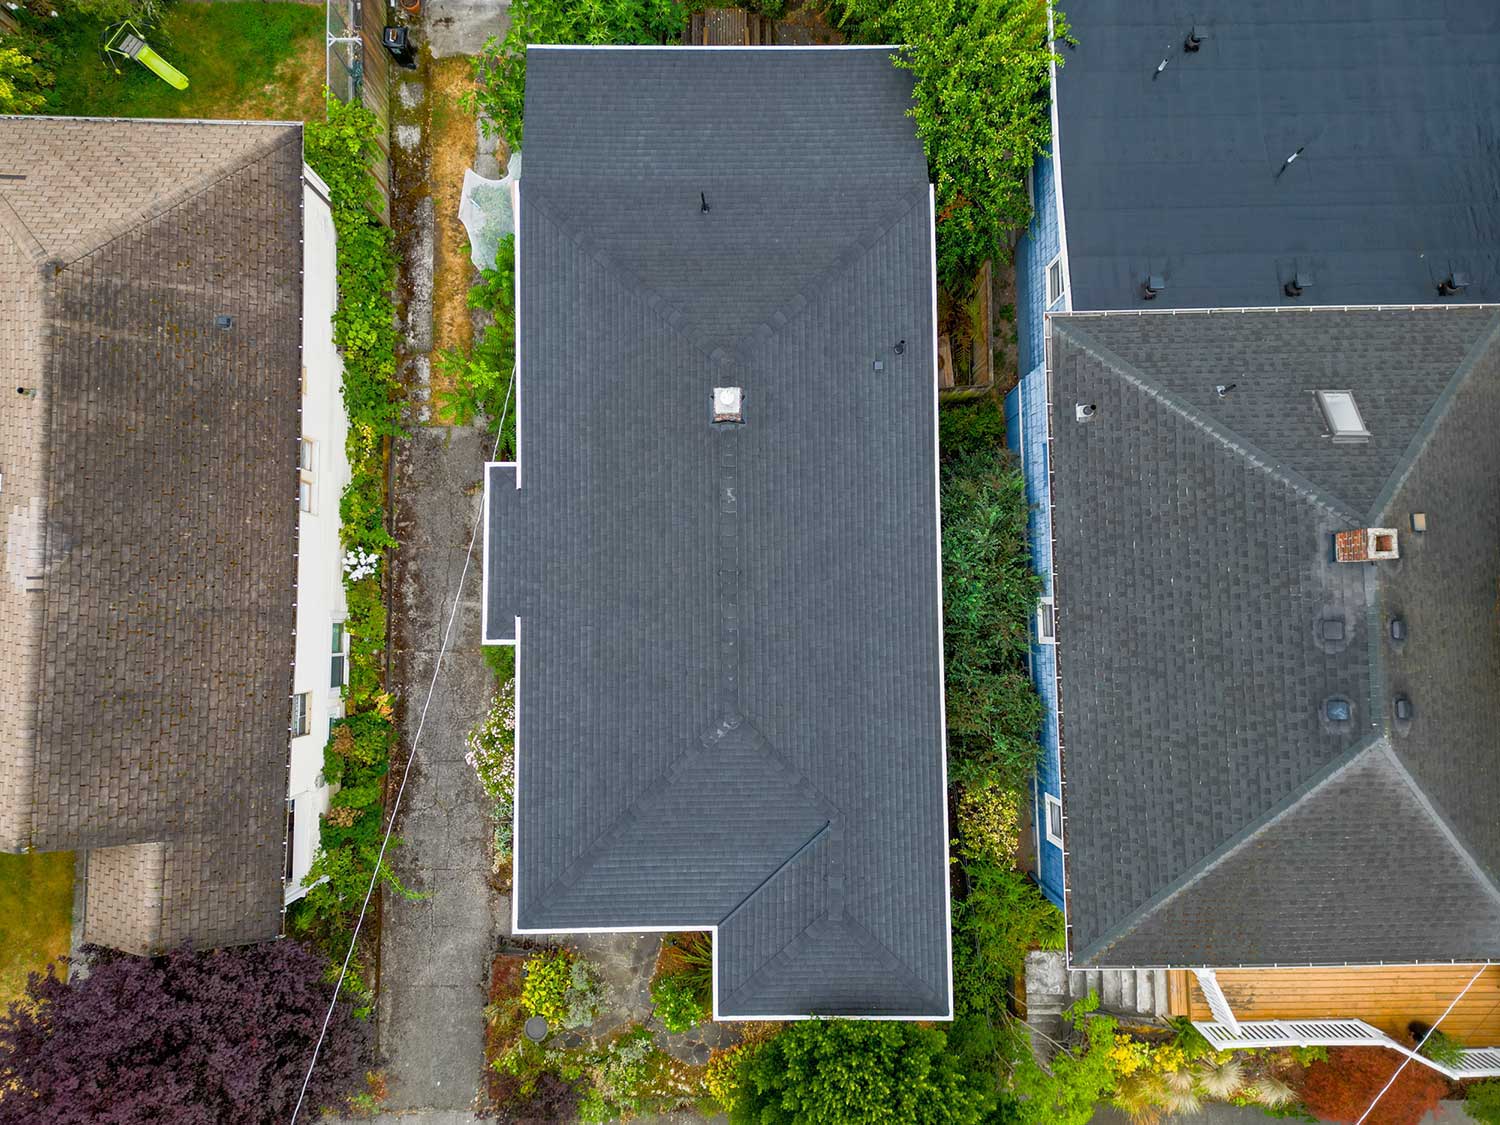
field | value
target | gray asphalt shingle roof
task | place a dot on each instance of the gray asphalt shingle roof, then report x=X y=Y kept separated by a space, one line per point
x=1176 y=174
x=730 y=706
x=1214 y=815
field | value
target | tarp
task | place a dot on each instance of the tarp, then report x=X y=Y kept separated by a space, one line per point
x=487 y=211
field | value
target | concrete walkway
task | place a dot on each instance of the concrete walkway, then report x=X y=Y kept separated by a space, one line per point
x=436 y=952
x=460 y=27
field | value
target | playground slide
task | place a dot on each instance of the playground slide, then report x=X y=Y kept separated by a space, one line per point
x=162 y=68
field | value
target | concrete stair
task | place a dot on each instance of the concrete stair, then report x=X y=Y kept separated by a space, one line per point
x=1134 y=995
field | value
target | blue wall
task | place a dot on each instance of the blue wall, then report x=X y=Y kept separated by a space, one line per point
x=1038 y=246
x=1026 y=433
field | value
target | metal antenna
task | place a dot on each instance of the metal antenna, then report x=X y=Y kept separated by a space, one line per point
x=1161 y=66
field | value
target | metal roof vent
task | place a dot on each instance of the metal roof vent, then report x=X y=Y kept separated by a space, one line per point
x=1152 y=286
x=1083 y=411
x=1366 y=544
x=1404 y=710
x=1341 y=415
x=1332 y=628
x=1338 y=710
x=728 y=405
x=1299 y=281
x=1398 y=629
x=223 y=321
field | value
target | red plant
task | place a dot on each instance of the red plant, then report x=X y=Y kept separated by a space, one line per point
x=1343 y=1087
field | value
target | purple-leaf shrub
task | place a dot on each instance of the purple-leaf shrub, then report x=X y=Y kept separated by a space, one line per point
x=183 y=1039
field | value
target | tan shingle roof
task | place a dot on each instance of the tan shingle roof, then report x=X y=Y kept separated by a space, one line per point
x=149 y=496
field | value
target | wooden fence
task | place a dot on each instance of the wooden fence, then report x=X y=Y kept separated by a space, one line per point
x=359 y=69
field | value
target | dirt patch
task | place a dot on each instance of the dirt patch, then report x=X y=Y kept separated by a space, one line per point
x=296 y=93
x=453 y=143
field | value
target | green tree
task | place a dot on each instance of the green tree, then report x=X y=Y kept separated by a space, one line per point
x=500 y=68
x=1081 y=1076
x=983 y=74
x=22 y=80
x=853 y=1072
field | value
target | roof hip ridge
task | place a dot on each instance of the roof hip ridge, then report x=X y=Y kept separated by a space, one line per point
x=1235 y=442
x=1440 y=820
x=1330 y=772
x=182 y=195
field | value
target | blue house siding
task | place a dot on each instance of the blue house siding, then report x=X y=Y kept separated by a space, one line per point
x=1037 y=247
x=1026 y=433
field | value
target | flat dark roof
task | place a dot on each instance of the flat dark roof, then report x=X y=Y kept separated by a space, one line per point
x=1218 y=809
x=730 y=671
x=1391 y=107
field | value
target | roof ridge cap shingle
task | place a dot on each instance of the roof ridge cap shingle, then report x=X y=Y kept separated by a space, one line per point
x=1435 y=415
x=1429 y=806
x=1307 y=791
x=1230 y=439
x=98 y=239
x=665 y=311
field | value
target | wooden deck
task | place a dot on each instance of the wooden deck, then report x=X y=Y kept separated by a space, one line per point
x=1388 y=998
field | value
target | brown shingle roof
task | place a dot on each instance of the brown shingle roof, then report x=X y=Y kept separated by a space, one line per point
x=149 y=496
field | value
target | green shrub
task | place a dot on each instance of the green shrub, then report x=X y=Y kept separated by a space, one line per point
x=622 y=1078
x=989 y=598
x=500 y=67
x=1080 y=1077
x=677 y=1004
x=983 y=111
x=855 y=1071
x=1482 y=1102
x=1443 y=1048
x=482 y=379
x=561 y=987
x=987 y=818
x=1001 y=916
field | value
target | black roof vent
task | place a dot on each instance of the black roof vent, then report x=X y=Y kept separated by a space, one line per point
x=223 y=322
x=1299 y=281
x=1338 y=710
x=1153 y=285
x=1398 y=629
x=1404 y=709
x=1193 y=41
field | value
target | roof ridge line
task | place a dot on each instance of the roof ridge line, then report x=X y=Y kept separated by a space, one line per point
x=632 y=282
x=846 y=259
x=182 y=196
x=15 y=226
x=1229 y=847
x=1230 y=439
x=802 y=848
x=800 y=938
x=1433 y=419
x=1430 y=807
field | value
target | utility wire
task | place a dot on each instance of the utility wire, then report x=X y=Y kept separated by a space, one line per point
x=1405 y=1062
x=405 y=773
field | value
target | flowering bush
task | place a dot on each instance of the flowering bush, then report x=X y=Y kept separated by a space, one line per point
x=360 y=563
x=722 y=1078
x=492 y=747
x=562 y=988
x=989 y=822
x=677 y=1004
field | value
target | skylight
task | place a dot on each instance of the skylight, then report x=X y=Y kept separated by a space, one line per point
x=1341 y=415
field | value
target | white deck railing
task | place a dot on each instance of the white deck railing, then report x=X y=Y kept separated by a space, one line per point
x=1476 y=1062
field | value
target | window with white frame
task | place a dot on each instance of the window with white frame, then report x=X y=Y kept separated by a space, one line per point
x=1054 y=281
x=306 y=462
x=337 y=678
x=301 y=714
x=1046 y=622
x=1053 y=819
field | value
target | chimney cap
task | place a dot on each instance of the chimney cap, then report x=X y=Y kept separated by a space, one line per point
x=1366 y=544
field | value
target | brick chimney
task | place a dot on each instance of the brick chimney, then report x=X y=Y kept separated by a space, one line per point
x=1365 y=544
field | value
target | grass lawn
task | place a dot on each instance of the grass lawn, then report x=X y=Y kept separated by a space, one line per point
x=243 y=60
x=36 y=916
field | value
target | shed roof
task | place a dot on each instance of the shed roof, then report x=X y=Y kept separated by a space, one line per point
x=1183 y=174
x=149 y=492
x=730 y=697
x=1215 y=814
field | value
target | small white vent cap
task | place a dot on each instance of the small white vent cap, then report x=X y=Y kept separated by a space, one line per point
x=728 y=405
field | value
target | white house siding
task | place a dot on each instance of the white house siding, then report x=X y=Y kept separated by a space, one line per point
x=320 y=589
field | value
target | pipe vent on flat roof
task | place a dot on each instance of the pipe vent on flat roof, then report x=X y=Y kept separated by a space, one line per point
x=728 y=405
x=1296 y=283
x=1152 y=286
x=1341 y=415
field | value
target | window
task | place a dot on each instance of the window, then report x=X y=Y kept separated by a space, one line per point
x=1054 y=281
x=301 y=722
x=337 y=679
x=306 y=459
x=291 y=835
x=1054 y=817
x=1046 y=622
